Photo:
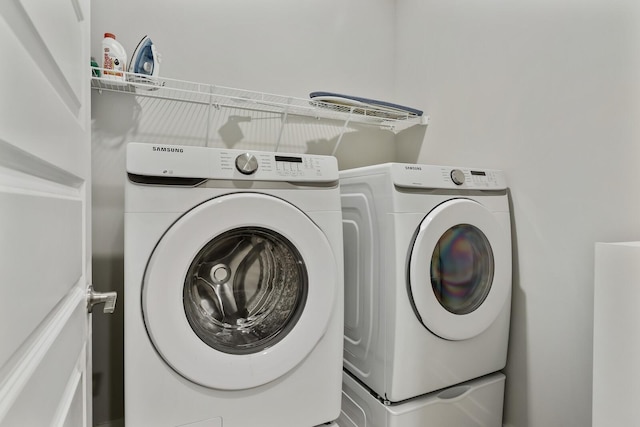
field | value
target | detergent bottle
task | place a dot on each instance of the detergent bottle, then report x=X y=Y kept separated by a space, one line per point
x=114 y=58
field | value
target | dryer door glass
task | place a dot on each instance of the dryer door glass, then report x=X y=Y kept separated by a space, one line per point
x=245 y=290
x=462 y=268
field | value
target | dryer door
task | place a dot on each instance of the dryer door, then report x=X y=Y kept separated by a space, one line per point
x=239 y=290
x=460 y=269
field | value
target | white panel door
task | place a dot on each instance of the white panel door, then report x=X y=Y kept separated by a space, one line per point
x=45 y=370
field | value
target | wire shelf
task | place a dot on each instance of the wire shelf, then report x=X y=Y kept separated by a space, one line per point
x=226 y=97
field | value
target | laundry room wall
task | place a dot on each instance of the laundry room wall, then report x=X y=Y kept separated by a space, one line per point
x=545 y=89
x=548 y=91
x=286 y=47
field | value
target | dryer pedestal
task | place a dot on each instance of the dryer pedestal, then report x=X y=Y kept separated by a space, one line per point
x=476 y=403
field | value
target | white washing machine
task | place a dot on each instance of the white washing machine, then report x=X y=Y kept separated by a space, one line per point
x=474 y=403
x=427 y=276
x=233 y=288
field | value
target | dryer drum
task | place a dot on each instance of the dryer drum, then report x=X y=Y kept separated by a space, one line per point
x=462 y=268
x=245 y=290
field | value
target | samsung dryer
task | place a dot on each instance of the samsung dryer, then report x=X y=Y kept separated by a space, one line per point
x=427 y=276
x=233 y=288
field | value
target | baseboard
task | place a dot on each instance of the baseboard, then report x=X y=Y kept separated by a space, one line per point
x=112 y=423
x=120 y=423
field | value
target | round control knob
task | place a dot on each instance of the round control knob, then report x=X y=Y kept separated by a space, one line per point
x=246 y=163
x=457 y=176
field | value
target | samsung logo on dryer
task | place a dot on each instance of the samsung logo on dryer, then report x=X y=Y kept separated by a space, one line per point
x=168 y=149
x=413 y=168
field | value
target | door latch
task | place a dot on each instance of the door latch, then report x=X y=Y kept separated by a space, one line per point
x=107 y=298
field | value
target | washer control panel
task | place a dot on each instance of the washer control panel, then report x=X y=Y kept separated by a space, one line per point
x=432 y=176
x=174 y=161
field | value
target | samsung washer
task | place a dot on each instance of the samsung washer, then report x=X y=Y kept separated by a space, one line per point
x=233 y=288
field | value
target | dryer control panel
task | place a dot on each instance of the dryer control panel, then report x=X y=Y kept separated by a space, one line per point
x=174 y=161
x=446 y=177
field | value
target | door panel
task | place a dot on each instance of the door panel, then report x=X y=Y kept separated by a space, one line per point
x=39 y=110
x=44 y=213
x=56 y=22
x=46 y=236
x=43 y=376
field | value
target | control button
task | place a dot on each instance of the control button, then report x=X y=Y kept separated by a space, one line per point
x=246 y=163
x=457 y=176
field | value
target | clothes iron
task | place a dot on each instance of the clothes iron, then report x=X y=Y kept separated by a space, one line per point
x=145 y=63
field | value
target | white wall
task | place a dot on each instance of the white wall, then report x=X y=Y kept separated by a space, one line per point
x=547 y=90
x=287 y=47
x=280 y=46
x=544 y=89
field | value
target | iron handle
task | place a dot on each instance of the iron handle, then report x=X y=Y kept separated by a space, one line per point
x=107 y=298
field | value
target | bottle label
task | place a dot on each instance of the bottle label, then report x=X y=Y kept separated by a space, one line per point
x=113 y=67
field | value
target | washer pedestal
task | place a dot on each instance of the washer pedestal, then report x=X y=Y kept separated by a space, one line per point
x=475 y=403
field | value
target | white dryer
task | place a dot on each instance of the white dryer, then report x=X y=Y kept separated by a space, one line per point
x=233 y=288
x=427 y=276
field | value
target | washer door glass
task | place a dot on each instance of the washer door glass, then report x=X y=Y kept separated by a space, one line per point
x=245 y=290
x=462 y=269
x=459 y=271
x=240 y=289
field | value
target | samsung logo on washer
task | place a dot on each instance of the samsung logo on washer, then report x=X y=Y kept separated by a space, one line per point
x=413 y=168
x=168 y=149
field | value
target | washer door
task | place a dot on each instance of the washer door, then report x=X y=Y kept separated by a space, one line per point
x=239 y=290
x=459 y=269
